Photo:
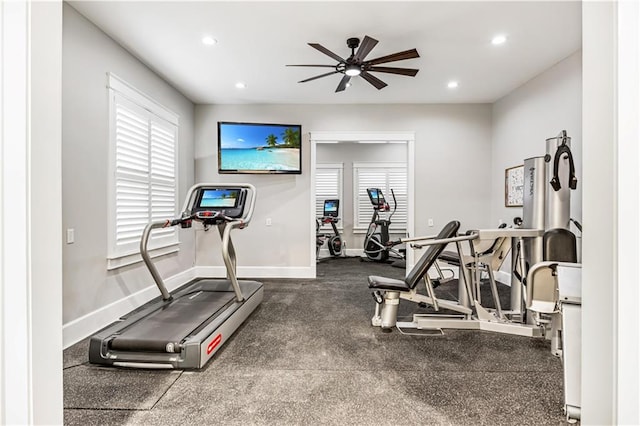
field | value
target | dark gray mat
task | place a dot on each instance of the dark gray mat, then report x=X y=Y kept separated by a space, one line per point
x=76 y=355
x=82 y=417
x=363 y=397
x=336 y=346
x=105 y=388
x=308 y=355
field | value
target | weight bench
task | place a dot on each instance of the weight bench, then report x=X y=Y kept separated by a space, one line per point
x=388 y=291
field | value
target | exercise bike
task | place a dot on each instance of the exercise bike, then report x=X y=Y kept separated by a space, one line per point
x=335 y=242
x=377 y=246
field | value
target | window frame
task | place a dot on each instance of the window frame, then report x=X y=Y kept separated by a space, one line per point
x=120 y=91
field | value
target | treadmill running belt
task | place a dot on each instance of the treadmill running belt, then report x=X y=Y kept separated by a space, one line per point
x=172 y=323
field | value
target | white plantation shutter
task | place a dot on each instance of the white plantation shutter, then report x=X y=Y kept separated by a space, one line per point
x=386 y=176
x=163 y=176
x=144 y=172
x=328 y=186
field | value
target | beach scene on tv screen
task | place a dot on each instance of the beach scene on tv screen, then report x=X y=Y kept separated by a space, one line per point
x=261 y=147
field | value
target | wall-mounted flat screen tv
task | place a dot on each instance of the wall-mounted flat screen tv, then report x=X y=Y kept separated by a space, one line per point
x=259 y=148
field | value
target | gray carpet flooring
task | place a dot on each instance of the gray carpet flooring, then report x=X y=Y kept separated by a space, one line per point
x=308 y=355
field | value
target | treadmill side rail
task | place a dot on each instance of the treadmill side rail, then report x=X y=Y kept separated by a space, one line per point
x=197 y=349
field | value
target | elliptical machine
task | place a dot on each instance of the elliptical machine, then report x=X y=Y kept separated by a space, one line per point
x=334 y=242
x=377 y=246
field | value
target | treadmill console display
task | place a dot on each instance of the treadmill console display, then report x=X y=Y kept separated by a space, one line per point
x=220 y=198
x=376 y=197
x=227 y=201
x=331 y=208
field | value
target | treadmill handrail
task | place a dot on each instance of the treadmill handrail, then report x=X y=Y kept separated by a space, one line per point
x=226 y=238
x=229 y=255
x=144 y=252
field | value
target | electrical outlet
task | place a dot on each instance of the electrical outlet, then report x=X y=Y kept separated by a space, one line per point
x=430 y=222
x=268 y=221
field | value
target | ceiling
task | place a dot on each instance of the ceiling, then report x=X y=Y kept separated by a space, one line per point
x=257 y=39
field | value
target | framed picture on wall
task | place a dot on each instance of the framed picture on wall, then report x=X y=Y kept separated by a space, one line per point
x=514 y=186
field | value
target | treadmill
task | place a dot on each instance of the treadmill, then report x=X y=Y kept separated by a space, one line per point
x=185 y=329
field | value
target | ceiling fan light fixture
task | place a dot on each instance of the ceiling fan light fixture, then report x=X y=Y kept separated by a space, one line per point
x=352 y=70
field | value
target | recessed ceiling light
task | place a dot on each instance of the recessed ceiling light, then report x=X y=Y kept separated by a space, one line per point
x=241 y=85
x=499 y=39
x=209 y=41
x=452 y=84
x=348 y=84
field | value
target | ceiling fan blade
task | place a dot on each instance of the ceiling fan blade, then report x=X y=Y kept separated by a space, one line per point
x=365 y=47
x=407 y=54
x=324 y=66
x=343 y=83
x=411 y=72
x=318 y=76
x=375 y=81
x=326 y=51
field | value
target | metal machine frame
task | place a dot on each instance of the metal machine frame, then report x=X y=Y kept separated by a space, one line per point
x=377 y=246
x=471 y=314
x=335 y=243
x=203 y=314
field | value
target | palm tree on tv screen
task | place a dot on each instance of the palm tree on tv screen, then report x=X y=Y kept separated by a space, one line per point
x=291 y=137
x=272 y=140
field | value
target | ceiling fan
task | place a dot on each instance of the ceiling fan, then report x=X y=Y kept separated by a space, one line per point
x=355 y=64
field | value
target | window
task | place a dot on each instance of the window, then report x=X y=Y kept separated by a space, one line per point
x=328 y=186
x=143 y=166
x=386 y=176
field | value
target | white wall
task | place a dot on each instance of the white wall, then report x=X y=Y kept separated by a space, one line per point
x=348 y=153
x=452 y=151
x=600 y=201
x=523 y=120
x=526 y=117
x=88 y=54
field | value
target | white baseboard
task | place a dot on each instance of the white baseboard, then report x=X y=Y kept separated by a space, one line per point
x=349 y=252
x=355 y=252
x=80 y=328
x=257 y=272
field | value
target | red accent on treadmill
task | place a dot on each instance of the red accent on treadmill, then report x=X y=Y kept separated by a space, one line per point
x=214 y=343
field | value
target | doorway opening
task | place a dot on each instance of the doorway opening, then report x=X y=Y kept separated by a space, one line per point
x=343 y=166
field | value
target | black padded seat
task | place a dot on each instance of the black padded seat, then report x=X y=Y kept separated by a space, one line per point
x=450 y=257
x=418 y=272
x=384 y=283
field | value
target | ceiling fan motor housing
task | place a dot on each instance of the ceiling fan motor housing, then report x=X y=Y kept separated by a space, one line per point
x=353 y=42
